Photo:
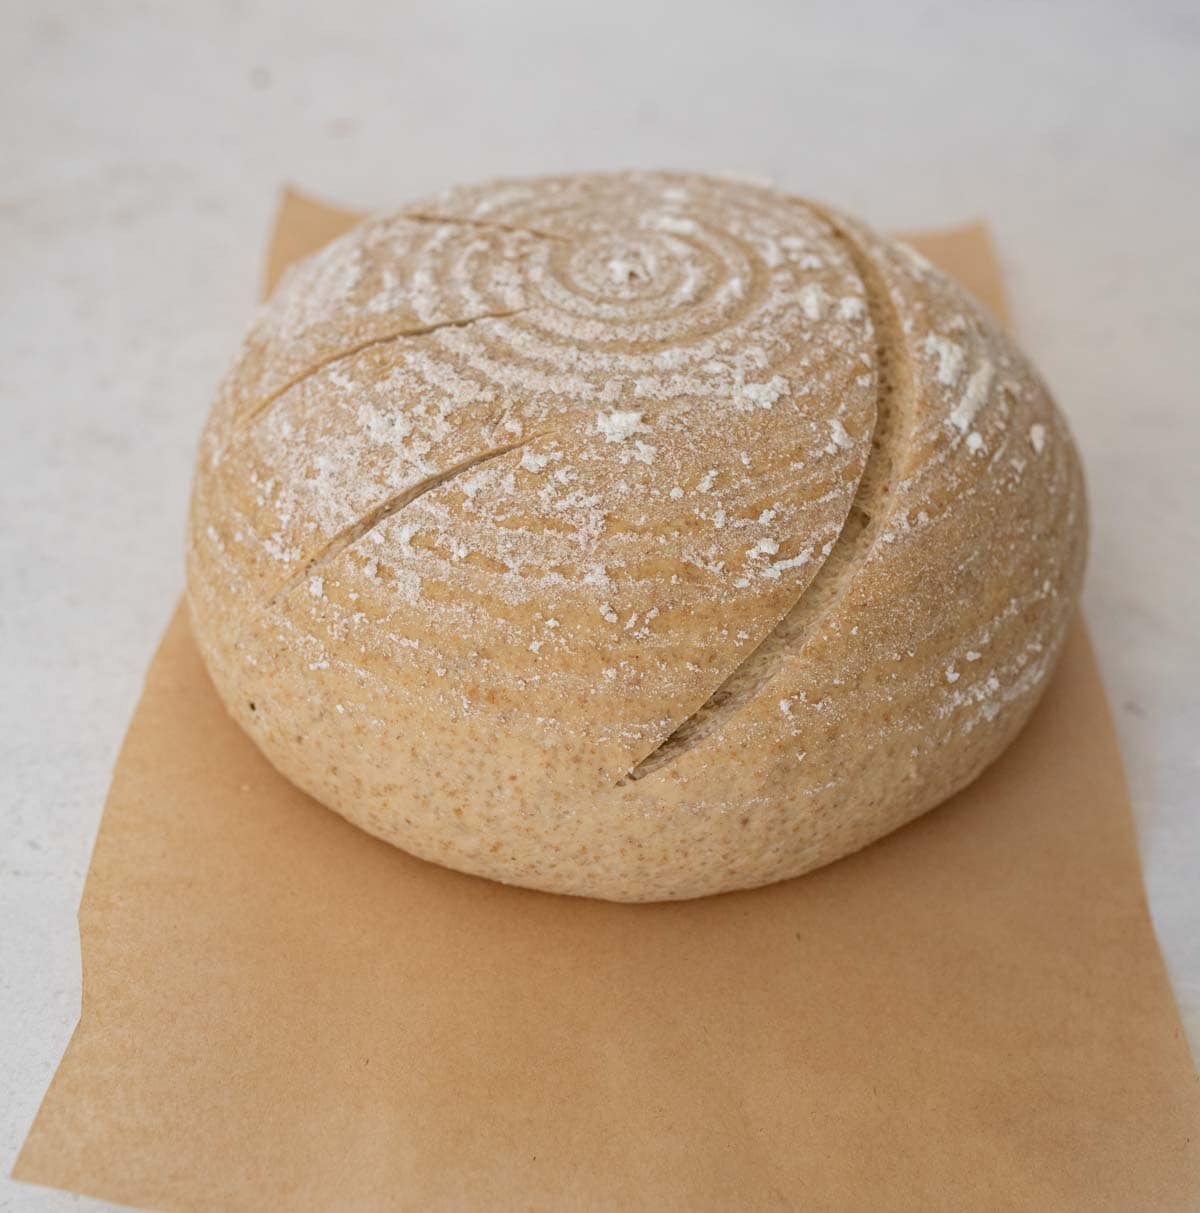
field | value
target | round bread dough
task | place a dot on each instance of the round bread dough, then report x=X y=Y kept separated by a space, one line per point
x=633 y=535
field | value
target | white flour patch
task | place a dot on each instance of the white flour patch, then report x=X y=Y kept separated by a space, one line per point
x=950 y=358
x=813 y=302
x=974 y=397
x=764 y=395
x=838 y=432
x=620 y=424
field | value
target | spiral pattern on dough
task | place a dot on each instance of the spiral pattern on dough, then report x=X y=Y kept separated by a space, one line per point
x=633 y=534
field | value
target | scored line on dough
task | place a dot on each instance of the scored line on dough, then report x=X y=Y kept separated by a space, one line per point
x=252 y=414
x=467 y=221
x=351 y=534
x=862 y=525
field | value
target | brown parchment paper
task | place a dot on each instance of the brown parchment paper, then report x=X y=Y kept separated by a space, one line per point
x=282 y=1013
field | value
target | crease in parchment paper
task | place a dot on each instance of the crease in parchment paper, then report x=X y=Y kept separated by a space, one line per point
x=280 y=1012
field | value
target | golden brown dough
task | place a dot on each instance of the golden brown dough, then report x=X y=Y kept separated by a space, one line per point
x=634 y=535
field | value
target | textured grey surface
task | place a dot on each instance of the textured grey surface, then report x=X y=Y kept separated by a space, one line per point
x=141 y=150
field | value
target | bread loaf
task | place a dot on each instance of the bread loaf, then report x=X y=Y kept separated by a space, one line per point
x=637 y=536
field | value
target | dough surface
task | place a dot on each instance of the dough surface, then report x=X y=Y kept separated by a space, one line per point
x=634 y=535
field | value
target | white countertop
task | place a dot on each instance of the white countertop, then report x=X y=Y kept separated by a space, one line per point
x=140 y=157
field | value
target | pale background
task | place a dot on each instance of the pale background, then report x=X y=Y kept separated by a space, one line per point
x=140 y=151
